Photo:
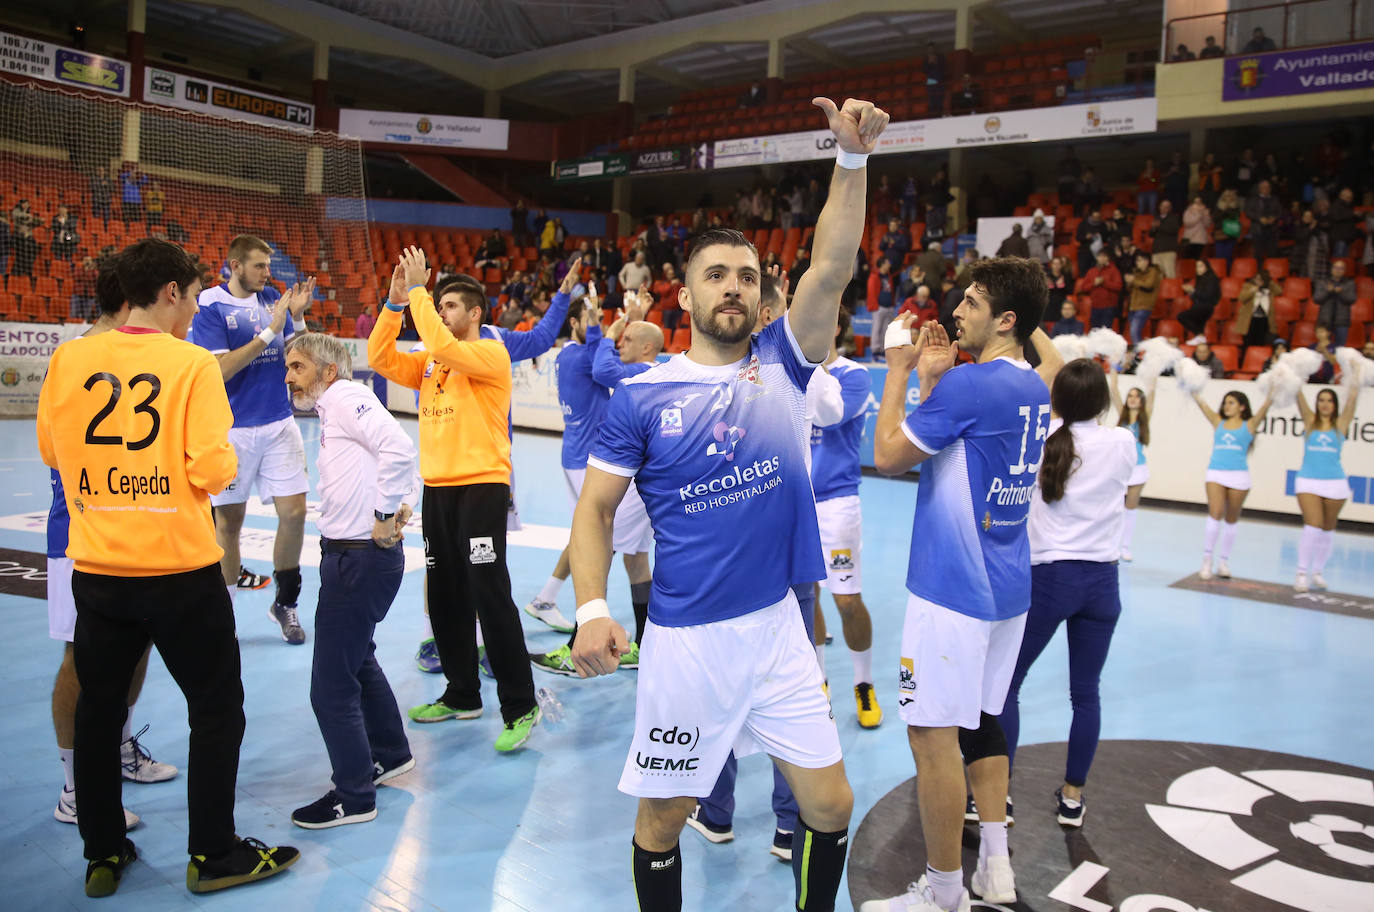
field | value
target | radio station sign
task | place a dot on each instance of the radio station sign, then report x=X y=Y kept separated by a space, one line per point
x=1325 y=69
x=206 y=96
x=425 y=129
x=62 y=65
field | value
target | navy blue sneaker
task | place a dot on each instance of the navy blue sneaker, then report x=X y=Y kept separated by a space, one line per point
x=427 y=657
x=1070 y=811
x=782 y=846
x=483 y=662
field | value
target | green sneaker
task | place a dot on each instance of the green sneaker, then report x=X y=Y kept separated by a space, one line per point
x=631 y=658
x=439 y=711
x=103 y=874
x=558 y=662
x=518 y=732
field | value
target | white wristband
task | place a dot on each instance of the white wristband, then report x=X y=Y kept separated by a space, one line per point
x=897 y=335
x=267 y=336
x=596 y=608
x=851 y=161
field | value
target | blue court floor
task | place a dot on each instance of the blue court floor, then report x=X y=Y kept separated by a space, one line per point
x=545 y=829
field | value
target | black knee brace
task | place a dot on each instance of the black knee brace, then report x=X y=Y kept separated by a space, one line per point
x=987 y=740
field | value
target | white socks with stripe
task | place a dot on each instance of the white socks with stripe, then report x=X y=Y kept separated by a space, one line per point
x=1209 y=536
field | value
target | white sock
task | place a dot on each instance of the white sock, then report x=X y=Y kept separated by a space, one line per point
x=1228 y=538
x=992 y=840
x=947 y=887
x=480 y=641
x=550 y=591
x=820 y=659
x=128 y=726
x=68 y=766
x=1325 y=544
x=1209 y=537
x=863 y=665
x=1307 y=546
x=429 y=629
x=1128 y=529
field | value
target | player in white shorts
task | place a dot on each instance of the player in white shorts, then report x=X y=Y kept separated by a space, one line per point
x=838 y=400
x=584 y=397
x=978 y=434
x=246 y=325
x=715 y=440
x=137 y=765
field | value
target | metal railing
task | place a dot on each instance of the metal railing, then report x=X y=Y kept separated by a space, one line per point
x=1295 y=24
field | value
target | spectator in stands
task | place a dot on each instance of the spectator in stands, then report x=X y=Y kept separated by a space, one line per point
x=362 y=327
x=64 y=235
x=1302 y=237
x=920 y=304
x=1181 y=53
x=1367 y=258
x=1324 y=347
x=910 y=200
x=517 y=289
x=883 y=204
x=156 y=204
x=1060 y=283
x=1270 y=170
x=1210 y=48
x=935 y=79
x=908 y=280
x=83 y=305
x=1103 y=282
x=1209 y=178
x=6 y=242
x=1246 y=173
x=529 y=318
x=636 y=272
x=1226 y=218
x=492 y=253
x=1197 y=229
x=1368 y=349
x=1334 y=298
x=1164 y=232
x=754 y=97
x=520 y=224
x=1205 y=292
x=1258 y=43
x=1087 y=194
x=882 y=301
x=131 y=184
x=965 y=99
x=1015 y=243
x=932 y=263
x=511 y=315
x=1280 y=348
x=1174 y=185
x=1068 y=169
x=1147 y=187
x=1342 y=222
x=1319 y=247
x=665 y=291
x=1040 y=237
x=1068 y=323
x=1144 y=285
x=22 y=242
x=541 y=218
x=548 y=243
x=1204 y=356
x=102 y=190
x=1257 y=298
x=1091 y=236
x=962 y=275
x=895 y=244
x=1263 y=211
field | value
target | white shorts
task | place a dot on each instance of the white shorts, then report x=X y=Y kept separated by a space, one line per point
x=272 y=458
x=841 y=522
x=61 y=603
x=1236 y=480
x=631 y=533
x=1139 y=475
x=954 y=666
x=1330 y=488
x=747 y=684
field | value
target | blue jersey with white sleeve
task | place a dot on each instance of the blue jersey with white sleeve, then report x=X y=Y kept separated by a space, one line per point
x=985 y=426
x=59 y=520
x=835 y=466
x=718 y=455
x=582 y=399
x=1231 y=448
x=257 y=394
x=1321 y=456
x=523 y=346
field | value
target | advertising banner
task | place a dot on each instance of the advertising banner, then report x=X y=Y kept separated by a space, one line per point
x=661 y=161
x=603 y=168
x=425 y=129
x=1301 y=72
x=206 y=96
x=63 y=65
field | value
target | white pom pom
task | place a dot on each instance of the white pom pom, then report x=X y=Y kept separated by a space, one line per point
x=1304 y=362
x=1355 y=367
x=1155 y=356
x=1071 y=347
x=1281 y=383
x=1191 y=376
x=1367 y=372
x=1108 y=345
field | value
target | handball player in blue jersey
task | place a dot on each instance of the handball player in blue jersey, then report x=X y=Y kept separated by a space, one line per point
x=715 y=440
x=978 y=434
x=246 y=326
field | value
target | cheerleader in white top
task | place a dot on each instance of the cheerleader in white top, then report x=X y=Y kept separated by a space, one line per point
x=1228 y=474
x=1134 y=415
x=1321 y=484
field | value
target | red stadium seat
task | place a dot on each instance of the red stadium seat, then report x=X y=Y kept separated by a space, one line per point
x=1229 y=356
x=1244 y=267
x=1277 y=267
x=1297 y=289
x=1304 y=335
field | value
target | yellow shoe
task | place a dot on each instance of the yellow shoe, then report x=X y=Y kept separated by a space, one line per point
x=870 y=713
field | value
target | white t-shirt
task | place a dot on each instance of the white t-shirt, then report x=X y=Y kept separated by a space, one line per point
x=1085 y=524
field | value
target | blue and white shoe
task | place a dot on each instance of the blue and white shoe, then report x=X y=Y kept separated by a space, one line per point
x=1070 y=811
x=427 y=657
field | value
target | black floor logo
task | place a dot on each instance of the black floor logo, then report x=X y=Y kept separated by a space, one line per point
x=1281 y=594
x=23 y=573
x=1170 y=827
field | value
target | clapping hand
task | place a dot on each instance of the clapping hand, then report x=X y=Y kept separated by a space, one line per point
x=413 y=268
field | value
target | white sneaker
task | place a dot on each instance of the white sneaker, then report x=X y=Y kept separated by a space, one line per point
x=548 y=613
x=66 y=810
x=712 y=833
x=1126 y=554
x=917 y=898
x=1206 y=572
x=1318 y=581
x=1300 y=584
x=1223 y=569
x=994 y=881
x=139 y=766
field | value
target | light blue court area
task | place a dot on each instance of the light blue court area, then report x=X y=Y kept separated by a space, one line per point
x=545 y=829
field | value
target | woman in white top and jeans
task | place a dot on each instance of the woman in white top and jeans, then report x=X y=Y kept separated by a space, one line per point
x=1075 y=524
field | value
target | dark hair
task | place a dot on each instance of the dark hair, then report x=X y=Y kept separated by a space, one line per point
x=1335 y=403
x=1079 y=394
x=713 y=237
x=770 y=294
x=108 y=294
x=470 y=291
x=1014 y=284
x=1243 y=401
x=146 y=266
x=1142 y=417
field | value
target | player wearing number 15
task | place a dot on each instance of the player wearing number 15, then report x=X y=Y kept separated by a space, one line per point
x=136 y=423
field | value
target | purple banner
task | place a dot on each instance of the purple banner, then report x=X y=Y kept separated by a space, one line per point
x=1325 y=69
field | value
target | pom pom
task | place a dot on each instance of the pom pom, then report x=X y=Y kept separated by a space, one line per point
x=1155 y=356
x=1355 y=367
x=1304 y=362
x=1281 y=384
x=1071 y=348
x=1191 y=376
x=1108 y=345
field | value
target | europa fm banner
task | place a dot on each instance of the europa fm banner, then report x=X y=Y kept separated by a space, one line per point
x=63 y=65
x=206 y=96
x=1325 y=69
